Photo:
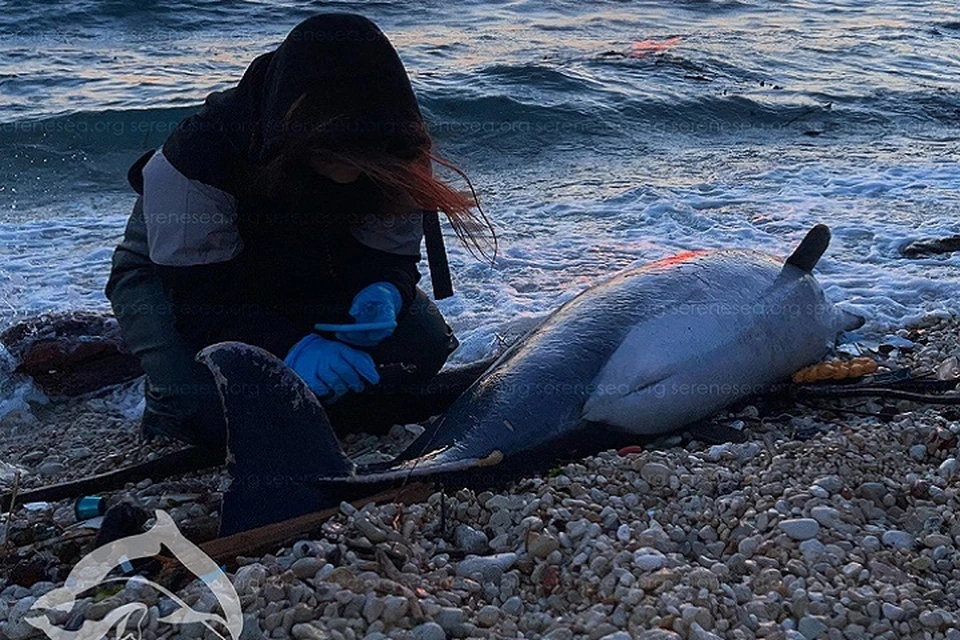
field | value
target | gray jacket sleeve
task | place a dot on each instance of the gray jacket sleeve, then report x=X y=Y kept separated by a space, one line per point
x=188 y=222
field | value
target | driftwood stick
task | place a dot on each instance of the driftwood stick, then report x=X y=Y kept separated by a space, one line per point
x=178 y=462
x=10 y=507
x=412 y=403
x=269 y=538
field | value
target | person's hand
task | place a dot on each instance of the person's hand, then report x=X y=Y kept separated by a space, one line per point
x=331 y=368
x=378 y=303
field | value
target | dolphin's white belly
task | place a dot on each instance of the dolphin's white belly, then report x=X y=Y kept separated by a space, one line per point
x=702 y=355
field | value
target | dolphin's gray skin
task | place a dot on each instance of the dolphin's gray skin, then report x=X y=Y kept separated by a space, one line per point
x=646 y=352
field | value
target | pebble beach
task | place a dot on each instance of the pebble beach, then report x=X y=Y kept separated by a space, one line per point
x=832 y=519
x=599 y=136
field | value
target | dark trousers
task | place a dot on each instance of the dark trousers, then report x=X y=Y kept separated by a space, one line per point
x=181 y=398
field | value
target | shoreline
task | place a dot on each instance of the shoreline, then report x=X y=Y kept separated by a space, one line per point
x=822 y=524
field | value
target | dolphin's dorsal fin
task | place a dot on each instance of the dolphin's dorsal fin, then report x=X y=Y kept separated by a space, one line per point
x=811 y=248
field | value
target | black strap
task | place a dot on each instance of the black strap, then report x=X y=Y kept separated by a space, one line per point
x=437 y=256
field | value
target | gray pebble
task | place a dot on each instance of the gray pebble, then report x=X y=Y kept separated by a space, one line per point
x=16 y=628
x=898 y=539
x=948 y=468
x=370 y=531
x=872 y=491
x=818 y=491
x=324 y=572
x=372 y=608
x=934 y=540
x=748 y=546
x=800 y=528
x=811 y=627
x=483 y=564
x=81 y=453
x=273 y=592
x=577 y=528
x=427 y=631
x=307 y=567
x=892 y=612
x=513 y=606
x=648 y=560
x=488 y=616
x=870 y=543
x=656 y=474
x=832 y=484
x=697 y=632
x=394 y=608
x=658 y=634
x=49 y=469
x=471 y=540
x=306 y=549
x=827 y=516
x=251 y=627
x=451 y=618
x=931 y=619
x=307 y=631
x=543 y=544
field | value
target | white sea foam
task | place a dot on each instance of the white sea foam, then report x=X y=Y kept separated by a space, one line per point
x=872 y=211
x=552 y=251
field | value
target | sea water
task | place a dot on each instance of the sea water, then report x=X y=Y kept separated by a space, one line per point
x=599 y=135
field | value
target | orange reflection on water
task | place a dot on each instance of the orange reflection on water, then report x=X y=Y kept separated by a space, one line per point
x=645 y=47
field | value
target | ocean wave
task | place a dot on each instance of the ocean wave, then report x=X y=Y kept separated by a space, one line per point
x=100 y=130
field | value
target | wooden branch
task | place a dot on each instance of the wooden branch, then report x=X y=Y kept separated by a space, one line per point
x=178 y=462
x=269 y=538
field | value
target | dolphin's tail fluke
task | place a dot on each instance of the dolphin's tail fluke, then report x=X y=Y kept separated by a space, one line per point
x=811 y=248
x=278 y=439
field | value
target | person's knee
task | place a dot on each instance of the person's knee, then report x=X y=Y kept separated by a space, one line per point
x=188 y=410
x=420 y=344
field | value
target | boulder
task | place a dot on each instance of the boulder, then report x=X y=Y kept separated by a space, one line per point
x=71 y=353
x=930 y=247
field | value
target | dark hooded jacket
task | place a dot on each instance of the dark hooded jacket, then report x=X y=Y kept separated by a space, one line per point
x=238 y=262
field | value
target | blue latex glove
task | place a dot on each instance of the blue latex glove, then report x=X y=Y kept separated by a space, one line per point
x=331 y=368
x=378 y=303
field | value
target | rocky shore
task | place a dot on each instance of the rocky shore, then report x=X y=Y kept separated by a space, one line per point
x=833 y=519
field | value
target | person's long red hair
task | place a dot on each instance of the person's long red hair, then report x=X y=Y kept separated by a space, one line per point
x=399 y=162
x=415 y=180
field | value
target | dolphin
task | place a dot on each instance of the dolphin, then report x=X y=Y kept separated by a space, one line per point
x=646 y=352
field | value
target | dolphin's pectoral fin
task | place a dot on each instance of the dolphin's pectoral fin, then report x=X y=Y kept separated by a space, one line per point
x=440 y=462
x=811 y=248
x=278 y=437
x=615 y=405
x=650 y=385
x=848 y=321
